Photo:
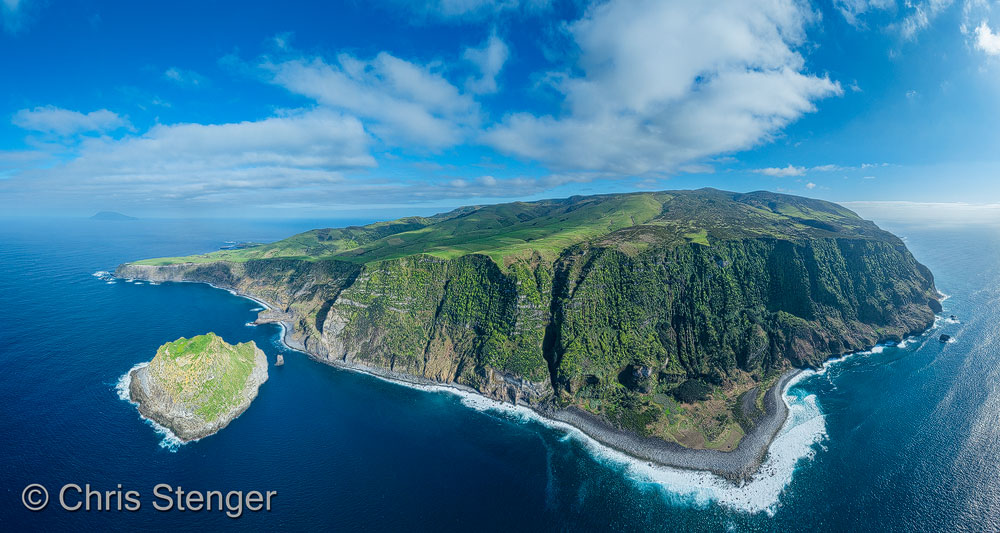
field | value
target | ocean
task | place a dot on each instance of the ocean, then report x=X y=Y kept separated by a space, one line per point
x=900 y=438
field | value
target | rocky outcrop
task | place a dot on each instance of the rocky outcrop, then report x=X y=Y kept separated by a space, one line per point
x=718 y=290
x=195 y=387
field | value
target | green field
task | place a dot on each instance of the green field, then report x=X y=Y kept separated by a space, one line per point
x=506 y=232
x=657 y=311
x=204 y=371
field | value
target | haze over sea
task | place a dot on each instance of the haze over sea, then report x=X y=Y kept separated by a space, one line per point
x=896 y=439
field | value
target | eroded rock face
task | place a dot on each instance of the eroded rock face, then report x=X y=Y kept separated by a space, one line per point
x=717 y=287
x=195 y=387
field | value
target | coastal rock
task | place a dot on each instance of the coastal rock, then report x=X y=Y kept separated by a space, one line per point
x=543 y=306
x=280 y=361
x=195 y=387
x=944 y=338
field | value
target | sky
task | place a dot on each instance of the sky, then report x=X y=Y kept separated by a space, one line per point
x=206 y=109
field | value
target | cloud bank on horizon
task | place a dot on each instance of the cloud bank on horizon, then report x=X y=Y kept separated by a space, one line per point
x=463 y=101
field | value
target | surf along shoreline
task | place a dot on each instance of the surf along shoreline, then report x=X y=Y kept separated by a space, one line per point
x=738 y=466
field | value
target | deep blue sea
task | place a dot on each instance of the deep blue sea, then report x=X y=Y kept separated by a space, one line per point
x=897 y=439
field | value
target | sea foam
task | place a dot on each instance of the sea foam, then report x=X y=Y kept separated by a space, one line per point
x=803 y=429
x=169 y=440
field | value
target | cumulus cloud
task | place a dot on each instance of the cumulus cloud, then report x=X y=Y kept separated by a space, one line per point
x=55 y=120
x=785 y=172
x=664 y=83
x=489 y=59
x=987 y=40
x=810 y=185
x=293 y=153
x=406 y=103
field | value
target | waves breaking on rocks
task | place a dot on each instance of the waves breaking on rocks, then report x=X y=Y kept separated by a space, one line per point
x=169 y=440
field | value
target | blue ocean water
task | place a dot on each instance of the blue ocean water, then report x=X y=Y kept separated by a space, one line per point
x=908 y=438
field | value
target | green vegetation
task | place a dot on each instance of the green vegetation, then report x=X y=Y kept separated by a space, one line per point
x=204 y=371
x=692 y=390
x=547 y=228
x=657 y=311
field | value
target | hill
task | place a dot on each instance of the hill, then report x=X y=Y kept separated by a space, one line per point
x=111 y=215
x=196 y=386
x=506 y=232
x=663 y=314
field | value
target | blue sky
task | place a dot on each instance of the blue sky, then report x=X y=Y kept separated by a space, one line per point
x=242 y=109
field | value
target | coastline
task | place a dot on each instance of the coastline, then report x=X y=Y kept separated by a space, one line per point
x=746 y=464
x=738 y=466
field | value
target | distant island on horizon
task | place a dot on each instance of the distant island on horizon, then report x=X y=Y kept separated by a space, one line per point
x=662 y=324
x=111 y=215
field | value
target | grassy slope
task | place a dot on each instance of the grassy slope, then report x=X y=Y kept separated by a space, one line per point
x=508 y=231
x=629 y=223
x=205 y=371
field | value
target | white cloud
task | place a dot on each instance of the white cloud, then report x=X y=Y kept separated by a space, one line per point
x=489 y=60
x=184 y=77
x=288 y=154
x=928 y=213
x=405 y=103
x=50 y=119
x=785 y=172
x=665 y=83
x=853 y=10
x=987 y=40
x=473 y=9
x=921 y=15
x=810 y=185
x=792 y=170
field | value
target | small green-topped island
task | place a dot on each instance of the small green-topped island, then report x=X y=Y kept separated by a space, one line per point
x=662 y=324
x=197 y=386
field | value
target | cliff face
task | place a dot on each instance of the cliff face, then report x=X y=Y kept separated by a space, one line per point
x=195 y=387
x=635 y=325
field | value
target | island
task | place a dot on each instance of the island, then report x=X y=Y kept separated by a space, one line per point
x=111 y=215
x=662 y=324
x=195 y=387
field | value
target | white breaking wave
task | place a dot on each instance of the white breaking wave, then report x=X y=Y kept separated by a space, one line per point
x=804 y=427
x=800 y=437
x=169 y=441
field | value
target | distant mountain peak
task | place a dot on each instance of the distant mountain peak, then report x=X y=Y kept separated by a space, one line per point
x=111 y=215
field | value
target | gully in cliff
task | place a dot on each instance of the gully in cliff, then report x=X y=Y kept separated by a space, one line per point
x=663 y=324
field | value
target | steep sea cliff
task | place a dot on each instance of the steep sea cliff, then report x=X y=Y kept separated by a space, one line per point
x=871 y=435
x=608 y=329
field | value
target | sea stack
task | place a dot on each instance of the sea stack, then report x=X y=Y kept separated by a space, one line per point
x=197 y=386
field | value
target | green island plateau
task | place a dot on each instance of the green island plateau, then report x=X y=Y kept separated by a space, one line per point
x=197 y=386
x=659 y=323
